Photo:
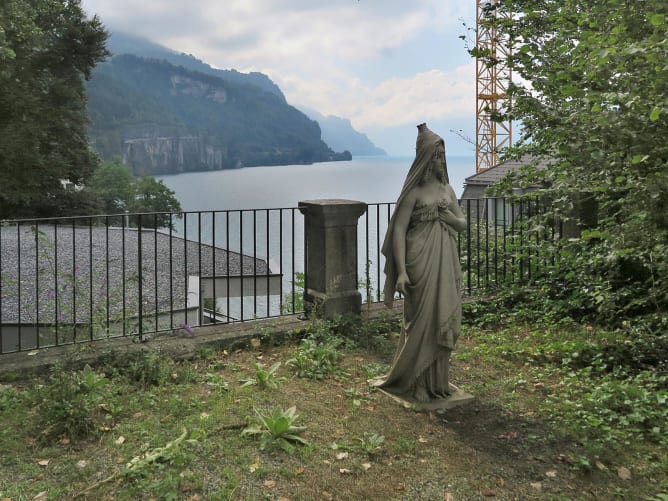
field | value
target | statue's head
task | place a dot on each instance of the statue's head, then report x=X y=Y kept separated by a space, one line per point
x=430 y=148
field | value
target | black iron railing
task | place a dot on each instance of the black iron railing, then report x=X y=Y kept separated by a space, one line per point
x=80 y=279
x=503 y=243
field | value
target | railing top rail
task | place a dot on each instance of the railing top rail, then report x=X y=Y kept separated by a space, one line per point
x=66 y=219
x=134 y=214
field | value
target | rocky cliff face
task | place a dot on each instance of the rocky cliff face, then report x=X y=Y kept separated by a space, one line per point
x=196 y=88
x=173 y=154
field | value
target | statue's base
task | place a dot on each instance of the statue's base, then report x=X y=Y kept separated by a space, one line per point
x=457 y=398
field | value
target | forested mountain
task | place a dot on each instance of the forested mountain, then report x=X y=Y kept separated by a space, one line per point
x=122 y=43
x=161 y=118
x=339 y=134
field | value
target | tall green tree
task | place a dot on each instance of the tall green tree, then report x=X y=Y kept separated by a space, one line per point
x=47 y=49
x=117 y=191
x=591 y=92
x=113 y=187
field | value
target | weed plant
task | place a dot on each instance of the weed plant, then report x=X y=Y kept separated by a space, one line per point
x=316 y=359
x=151 y=368
x=66 y=403
x=265 y=378
x=371 y=443
x=276 y=429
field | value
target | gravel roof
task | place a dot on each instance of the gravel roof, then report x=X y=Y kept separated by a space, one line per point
x=72 y=273
x=497 y=172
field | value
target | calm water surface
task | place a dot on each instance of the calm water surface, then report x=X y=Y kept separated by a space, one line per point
x=368 y=179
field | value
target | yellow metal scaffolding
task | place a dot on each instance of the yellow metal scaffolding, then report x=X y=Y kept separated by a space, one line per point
x=493 y=76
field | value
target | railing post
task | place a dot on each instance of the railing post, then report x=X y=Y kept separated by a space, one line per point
x=330 y=228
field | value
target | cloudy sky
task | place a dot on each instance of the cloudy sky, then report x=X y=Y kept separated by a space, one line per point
x=387 y=65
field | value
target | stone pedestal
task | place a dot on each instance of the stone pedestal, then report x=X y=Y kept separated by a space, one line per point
x=458 y=398
x=330 y=227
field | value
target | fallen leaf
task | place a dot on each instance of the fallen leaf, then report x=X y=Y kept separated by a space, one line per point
x=449 y=497
x=194 y=497
x=327 y=495
x=600 y=466
x=120 y=460
x=422 y=440
x=551 y=473
x=5 y=499
x=104 y=428
x=342 y=455
x=30 y=354
x=269 y=483
x=40 y=496
x=82 y=463
x=120 y=440
x=65 y=441
x=509 y=435
x=624 y=473
x=489 y=493
x=300 y=470
x=326 y=461
x=344 y=471
x=43 y=462
x=256 y=464
x=137 y=414
x=366 y=466
x=537 y=485
x=500 y=482
x=283 y=499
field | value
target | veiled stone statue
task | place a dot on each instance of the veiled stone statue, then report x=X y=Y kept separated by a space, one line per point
x=422 y=263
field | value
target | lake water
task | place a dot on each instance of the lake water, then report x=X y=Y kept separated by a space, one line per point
x=277 y=236
x=367 y=179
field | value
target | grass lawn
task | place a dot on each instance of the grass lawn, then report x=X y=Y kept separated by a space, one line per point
x=150 y=428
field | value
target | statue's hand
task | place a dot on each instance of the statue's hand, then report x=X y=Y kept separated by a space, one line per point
x=402 y=283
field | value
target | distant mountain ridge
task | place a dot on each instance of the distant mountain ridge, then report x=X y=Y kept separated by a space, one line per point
x=339 y=134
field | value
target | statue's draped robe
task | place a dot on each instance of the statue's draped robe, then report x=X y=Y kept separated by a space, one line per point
x=432 y=309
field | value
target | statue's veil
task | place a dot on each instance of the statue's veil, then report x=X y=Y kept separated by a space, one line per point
x=425 y=146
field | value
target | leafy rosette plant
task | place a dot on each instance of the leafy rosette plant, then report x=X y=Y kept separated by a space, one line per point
x=277 y=429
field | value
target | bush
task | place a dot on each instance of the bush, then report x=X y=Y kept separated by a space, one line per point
x=150 y=368
x=316 y=359
x=66 y=404
x=616 y=410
